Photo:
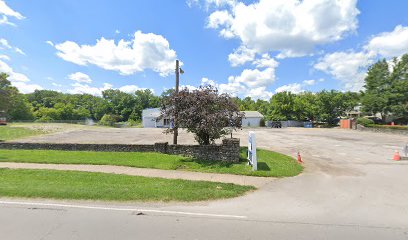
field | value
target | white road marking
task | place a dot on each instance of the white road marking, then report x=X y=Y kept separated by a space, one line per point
x=121 y=209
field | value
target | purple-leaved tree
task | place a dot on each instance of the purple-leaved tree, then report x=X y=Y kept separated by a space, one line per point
x=204 y=112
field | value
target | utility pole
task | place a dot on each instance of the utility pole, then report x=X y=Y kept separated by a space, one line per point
x=175 y=127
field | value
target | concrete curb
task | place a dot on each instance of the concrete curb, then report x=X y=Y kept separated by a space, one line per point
x=146 y=172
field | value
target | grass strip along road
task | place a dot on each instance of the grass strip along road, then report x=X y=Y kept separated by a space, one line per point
x=56 y=184
x=9 y=133
x=270 y=164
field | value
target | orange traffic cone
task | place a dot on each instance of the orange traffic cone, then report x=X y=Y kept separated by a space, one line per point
x=299 y=158
x=397 y=156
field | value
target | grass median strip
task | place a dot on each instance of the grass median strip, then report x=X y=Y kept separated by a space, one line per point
x=270 y=164
x=9 y=133
x=56 y=184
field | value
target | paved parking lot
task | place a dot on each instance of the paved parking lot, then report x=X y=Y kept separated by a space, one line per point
x=328 y=150
x=350 y=189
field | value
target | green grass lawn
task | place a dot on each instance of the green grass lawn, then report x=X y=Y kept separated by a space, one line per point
x=111 y=187
x=9 y=133
x=270 y=164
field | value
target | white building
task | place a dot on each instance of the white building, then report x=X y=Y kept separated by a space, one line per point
x=252 y=119
x=150 y=119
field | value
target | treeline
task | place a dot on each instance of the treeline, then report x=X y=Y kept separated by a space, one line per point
x=324 y=106
x=385 y=93
x=46 y=105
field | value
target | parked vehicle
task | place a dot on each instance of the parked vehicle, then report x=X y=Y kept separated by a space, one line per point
x=276 y=124
x=376 y=120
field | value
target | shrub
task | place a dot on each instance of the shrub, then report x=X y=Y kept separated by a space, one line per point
x=109 y=120
x=396 y=127
x=365 y=121
x=45 y=119
x=134 y=123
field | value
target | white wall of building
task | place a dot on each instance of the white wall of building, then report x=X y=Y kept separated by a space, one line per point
x=251 y=122
x=149 y=122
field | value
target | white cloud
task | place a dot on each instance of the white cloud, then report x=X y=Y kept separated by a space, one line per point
x=144 y=51
x=254 y=77
x=211 y=3
x=24 y=87
x=259 y=93
x=293 y=88
x=206 y=81
x=265 y=61
x=80 y=77
x=4 y=43
x=49 y=43
x=7 y=11
x=348 y=67
x=80 y=88
x=18 y=50
x=5 y=57
x=219 y=19
x=291 y=27
x=220 y=3
x=56 y=84
x=14 y=76
x=4 y=21
x=389 y=44
x=241 y=55
x=239 y=89
x=191 y=3
x=18 y=80
x=132 y=88
x=309 y=82
x=251 y=82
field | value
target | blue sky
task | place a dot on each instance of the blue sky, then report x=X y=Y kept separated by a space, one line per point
x=246 y=48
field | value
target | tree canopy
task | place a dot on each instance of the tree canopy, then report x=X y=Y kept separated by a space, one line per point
x=204 y=112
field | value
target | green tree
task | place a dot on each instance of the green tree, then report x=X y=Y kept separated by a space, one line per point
x=7 y=93
x=119 y=103
x=377 y=93
x=144 y=99
x=306 y=107
x=334 y=104
x=282 y=105
x=398 y=97
x=21 y=109
x=12 y=102
x=247 y=104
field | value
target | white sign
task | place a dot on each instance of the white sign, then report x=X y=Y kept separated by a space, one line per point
x=252 y=151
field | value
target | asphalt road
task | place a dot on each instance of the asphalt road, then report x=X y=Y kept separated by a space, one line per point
x=351 y=189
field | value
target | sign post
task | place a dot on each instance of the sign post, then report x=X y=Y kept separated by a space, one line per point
x=252 y=160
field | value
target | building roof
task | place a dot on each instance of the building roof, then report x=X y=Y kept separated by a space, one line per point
x=151 y=112
x=252 y=114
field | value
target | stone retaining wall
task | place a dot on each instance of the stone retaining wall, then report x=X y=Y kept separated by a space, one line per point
x=382 y=130
x=228 y=151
